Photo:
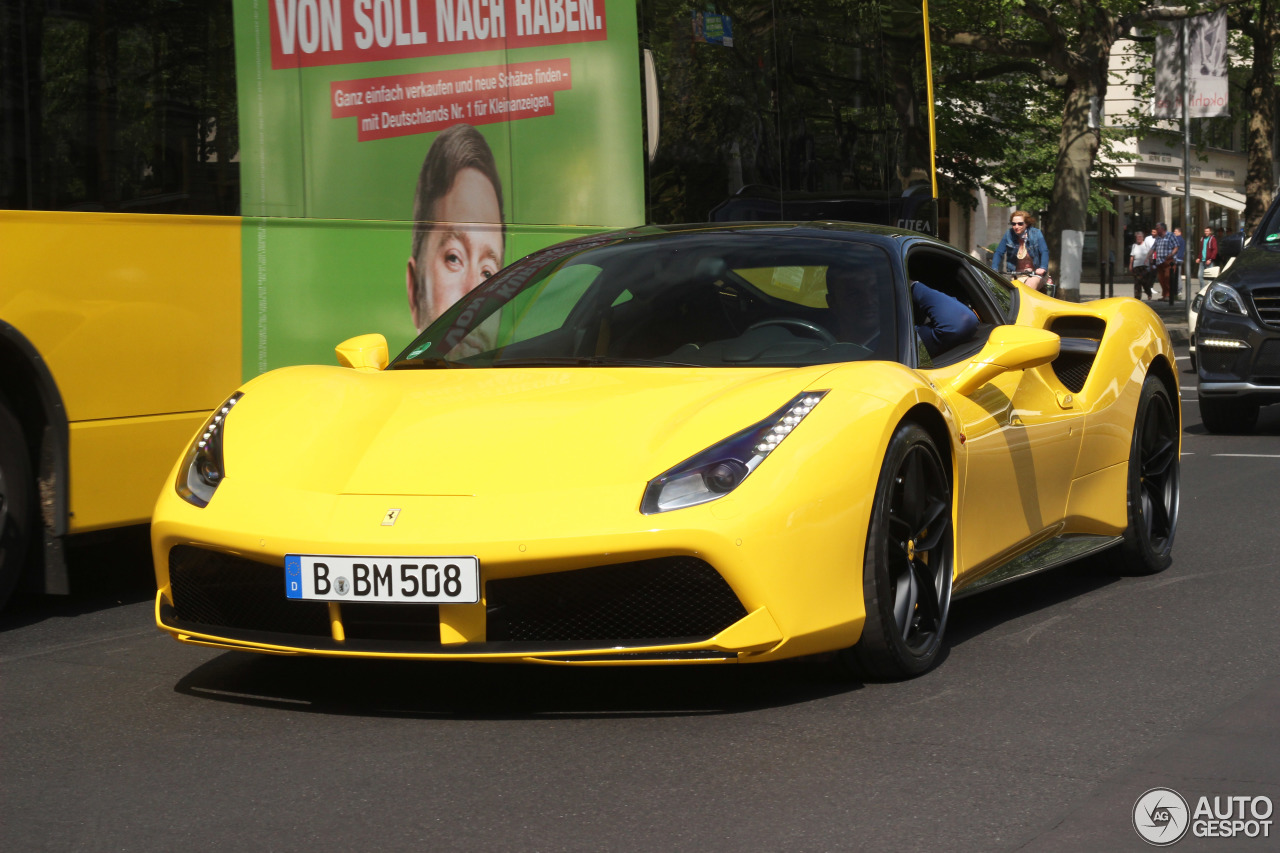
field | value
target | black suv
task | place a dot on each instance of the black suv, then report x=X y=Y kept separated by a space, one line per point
x=1237 y=335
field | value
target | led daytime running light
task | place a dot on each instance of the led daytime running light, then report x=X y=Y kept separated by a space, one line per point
x=215 y=422
x=722 y=467
x=1223 y=343
x=784 y=425
x=202 y=468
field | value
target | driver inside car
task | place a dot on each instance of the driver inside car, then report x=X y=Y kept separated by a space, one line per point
x=854 y=295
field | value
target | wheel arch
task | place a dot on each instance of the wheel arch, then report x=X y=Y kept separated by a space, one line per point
x=1161 y=368
x=28 y=388
x=933 y=422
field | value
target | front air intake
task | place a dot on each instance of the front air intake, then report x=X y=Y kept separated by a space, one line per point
x=665 y=598
x=225 y=591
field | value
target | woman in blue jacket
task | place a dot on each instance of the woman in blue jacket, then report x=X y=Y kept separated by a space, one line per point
x=1022 y=250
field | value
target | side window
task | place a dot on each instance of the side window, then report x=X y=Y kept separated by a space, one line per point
x=951 y=313
x=1000 y=292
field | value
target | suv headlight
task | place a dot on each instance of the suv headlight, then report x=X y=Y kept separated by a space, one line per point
x=721 y=468
x=202 y=468
x=1223 y=299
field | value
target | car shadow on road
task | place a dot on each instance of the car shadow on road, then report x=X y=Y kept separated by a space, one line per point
x=104 y=570
x=1268 y=424
x=971 y=617
x=401 y=688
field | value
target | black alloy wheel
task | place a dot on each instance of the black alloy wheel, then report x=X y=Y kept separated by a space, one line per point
x=17 y=502
x=907 y=569
x=1154 y=487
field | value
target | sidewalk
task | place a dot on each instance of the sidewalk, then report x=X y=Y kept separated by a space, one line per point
x=1174 y=316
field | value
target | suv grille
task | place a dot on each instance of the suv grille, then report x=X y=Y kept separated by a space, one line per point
x=649 y=599
x=1267 y=302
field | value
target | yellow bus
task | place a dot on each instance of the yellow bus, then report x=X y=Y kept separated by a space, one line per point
x=195 y=191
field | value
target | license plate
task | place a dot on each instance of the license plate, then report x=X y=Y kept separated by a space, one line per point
x=320 y=577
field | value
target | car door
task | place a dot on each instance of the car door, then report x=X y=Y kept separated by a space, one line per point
x=1020 y=435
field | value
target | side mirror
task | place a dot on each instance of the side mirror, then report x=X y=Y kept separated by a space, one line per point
x=1009 y=348
x=1229 y=247
x=364 y=352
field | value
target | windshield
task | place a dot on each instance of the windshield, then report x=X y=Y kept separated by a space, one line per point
x=724 y=299
x=1268 y=233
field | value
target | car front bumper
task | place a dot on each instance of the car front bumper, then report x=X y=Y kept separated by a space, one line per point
x=711 y=583
x=1237 y=358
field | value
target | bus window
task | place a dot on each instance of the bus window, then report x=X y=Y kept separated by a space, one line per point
x=124 y=106
x=820 y=113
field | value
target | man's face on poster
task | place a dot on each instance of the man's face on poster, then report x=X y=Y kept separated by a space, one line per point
x=456 y=254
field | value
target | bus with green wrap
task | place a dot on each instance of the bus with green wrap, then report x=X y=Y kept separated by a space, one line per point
x=194 y=192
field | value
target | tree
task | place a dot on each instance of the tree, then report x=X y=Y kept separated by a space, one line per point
x=1260 y=22
x=1072 y=39
x=997 y=126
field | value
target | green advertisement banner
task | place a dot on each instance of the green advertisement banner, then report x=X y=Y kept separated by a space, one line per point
x=394 y=153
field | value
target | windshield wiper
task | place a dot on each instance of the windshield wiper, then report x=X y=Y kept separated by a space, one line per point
x=429 y=361
x=588 y=361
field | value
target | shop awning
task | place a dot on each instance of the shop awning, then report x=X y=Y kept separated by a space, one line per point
x=1136 y=187
x=1222 y=198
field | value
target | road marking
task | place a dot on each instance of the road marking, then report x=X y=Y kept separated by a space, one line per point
x=62 y=647
x=250 y=696
x=1103 y=596
x=1251 y=455
x=1187 y=453
x=1182 y=357
x=1188 y=388
x=1029 y=634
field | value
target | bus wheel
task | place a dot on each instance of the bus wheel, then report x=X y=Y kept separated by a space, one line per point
x=17 y=503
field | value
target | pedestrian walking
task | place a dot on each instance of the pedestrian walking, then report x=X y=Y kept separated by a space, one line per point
x=1138 y=265
x=1163 y=250
x=1208 y=254
x=1179 y=260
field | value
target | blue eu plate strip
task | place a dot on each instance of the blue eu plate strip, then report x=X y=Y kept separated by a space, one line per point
x=293 y=576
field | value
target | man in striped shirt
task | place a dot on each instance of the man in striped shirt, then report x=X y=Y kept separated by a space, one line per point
x=1163 y=252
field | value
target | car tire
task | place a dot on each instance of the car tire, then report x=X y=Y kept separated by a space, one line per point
x=908 y=563
x=17 y=503
x=1228 y=416
x=1153 y=486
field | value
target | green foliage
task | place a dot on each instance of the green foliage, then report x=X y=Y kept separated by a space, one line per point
x=1001 y=132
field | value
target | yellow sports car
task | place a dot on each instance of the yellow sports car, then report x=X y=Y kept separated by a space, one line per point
x=692 y=444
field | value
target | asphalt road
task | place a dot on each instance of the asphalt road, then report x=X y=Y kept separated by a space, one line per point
x=1061 y=699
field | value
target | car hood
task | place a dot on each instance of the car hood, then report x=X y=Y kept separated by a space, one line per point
x=1256 y=266
x=474 y=432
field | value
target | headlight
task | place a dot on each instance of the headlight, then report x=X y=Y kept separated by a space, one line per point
x=1223 y=299
x=202 y=469
x=722 y=467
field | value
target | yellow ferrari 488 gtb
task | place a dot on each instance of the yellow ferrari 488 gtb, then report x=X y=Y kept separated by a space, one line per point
x=679 y=445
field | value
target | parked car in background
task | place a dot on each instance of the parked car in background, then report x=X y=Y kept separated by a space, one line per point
x=1236 y=333
x=1229 y=248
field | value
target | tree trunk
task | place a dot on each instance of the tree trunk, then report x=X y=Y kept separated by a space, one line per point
x=1069 y=204
x=1260 y=181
